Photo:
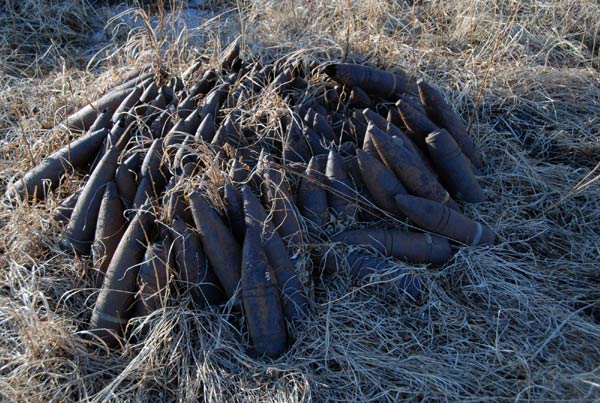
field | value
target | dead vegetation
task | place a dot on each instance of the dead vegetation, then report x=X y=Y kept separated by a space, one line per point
x=517 y=321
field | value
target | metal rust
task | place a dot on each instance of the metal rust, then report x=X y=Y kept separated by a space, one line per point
x=438 y=218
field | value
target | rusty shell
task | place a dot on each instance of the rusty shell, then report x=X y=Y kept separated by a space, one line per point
x=63 y=211
x=109 y=229
x=373 y=81
x=47 y=174
x=389 y=128
x=82 y=226
x=454 y=167
x=322 y=127
x=174 y=202
x=394 y=117
x=114 y=306
x=261 y=298
x=312 y=197
x=234 y=207
x=417 y=124
x=127 y=104
x=410 y=246
x=102 y=121
x=285 y=215
x=126 y=178
x=361 y=265
x=224 y=252
x=153 y=277
x=369 y=147
x=409 y=169
x=194 y=270
x=84 y=118
x=435 y=217
x=381 y=183
x=359 y=99
x=295 y=302
x=207 y=129
x=341 y=192
x=295 y=147
x=444 y=116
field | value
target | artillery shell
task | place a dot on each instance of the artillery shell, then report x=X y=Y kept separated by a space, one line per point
x=81 y=228
x=409 y=169
x=311 y=197
x=154 y=109
x=103 y=121
x=109 y=229
x=184 y=155
x=284 y=213
x=392 y=130
x=84 y=118
x=322 y=127
x=314 y=141
x=216 y=238
x=369 y=147
x=359 y=99
x=194 y=270
x=260 y=294
x=153 y=277
x=411 y=246
x=153 y=178
x=230 y=59
x=186 y=107
x=454 y=167
x=444 y=116
x=282 y=81
x=126 y=178
x=234 y=207
x=295 y=303
x=230 y=131
x=417 y=124
x=380 y=182
x=214 y=99
x=237 y=173
x=127 y=104
x=65 y=208
x=47 y=174
x=175 y=203
x=341 y=192
x=115 y=302
x=207 y=129
x=435 y=217
x=373 y=81
x=162 y=124
x=295 y=147
x=206 y=83
x=360 y=265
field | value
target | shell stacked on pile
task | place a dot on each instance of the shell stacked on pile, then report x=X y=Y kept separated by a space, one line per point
x=194 y=186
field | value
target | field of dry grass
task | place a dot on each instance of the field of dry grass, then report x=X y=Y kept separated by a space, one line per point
x=519 y=321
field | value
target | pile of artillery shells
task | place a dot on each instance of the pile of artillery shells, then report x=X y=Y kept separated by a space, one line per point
x=212 y=183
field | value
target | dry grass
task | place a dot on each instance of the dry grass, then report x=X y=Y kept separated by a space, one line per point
x=507 y=323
